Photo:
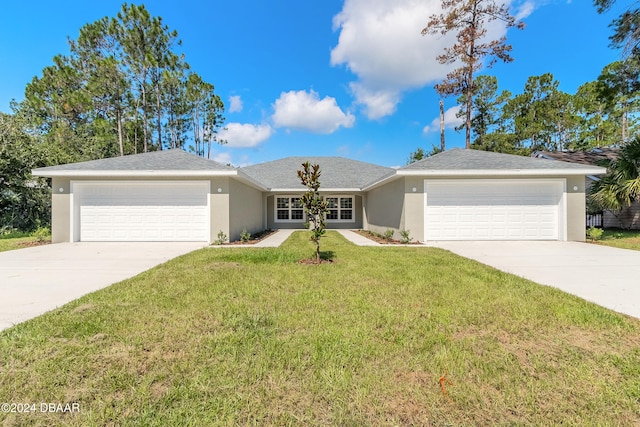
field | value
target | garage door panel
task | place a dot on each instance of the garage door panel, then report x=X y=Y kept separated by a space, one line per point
x=493 y=210
x=142 y=211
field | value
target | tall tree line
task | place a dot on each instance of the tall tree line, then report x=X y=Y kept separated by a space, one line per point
x=122 y=89
x=601 y=113
x=468 y=20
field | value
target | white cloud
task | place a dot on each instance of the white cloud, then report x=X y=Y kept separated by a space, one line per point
x=451 y=120
x=379 y=102
x=235 y=104
x=380 y=43
x=306 y=111
x=525 y=10
x=224 y=158
x=245 y=134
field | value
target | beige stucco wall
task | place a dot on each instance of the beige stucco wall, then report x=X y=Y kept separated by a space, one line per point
x=385 y=207
x=357 y=213
x=60 y=210
x=392 y=206
x=576 y=209
x=245 y=209
x=414 y=207
x=220 y=203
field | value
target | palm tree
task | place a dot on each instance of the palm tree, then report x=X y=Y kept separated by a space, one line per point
x=620 y=187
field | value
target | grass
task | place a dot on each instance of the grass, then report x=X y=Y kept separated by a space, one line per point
x=625 y=239
x=19 y=240
x=231 y=336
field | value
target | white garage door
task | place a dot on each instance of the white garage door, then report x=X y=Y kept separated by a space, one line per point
x=144 y=211
x=494 y=210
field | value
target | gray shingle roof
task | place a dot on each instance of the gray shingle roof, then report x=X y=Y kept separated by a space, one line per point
x=168 y=160
x=336 y=172
x=463 y=159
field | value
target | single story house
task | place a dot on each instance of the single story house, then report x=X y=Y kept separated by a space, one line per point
x=456 y=195
x=630 y=215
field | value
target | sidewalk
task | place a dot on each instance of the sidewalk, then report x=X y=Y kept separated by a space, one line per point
x=275 y=239
x=357 y=239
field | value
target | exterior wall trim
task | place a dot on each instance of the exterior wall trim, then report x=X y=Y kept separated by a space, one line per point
x=495 y=172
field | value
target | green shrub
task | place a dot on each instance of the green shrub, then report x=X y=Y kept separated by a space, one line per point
x=389 y=235
x=405 y=237
x=6 y=230
x=42 y=234
x=594 y=233
x=222 y=238
x=245 y=236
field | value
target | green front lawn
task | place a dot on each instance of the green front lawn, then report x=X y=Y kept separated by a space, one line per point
x=19 y=240
x=249 y=336
x=621 y=239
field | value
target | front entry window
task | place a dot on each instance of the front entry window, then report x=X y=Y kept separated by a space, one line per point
x=340 y=208
x=289 y=209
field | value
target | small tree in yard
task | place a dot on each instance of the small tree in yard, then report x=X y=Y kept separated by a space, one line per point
x=314 y=205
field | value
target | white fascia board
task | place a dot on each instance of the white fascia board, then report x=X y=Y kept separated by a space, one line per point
x=321 y=190
x=243 y=177
x=504 y=172
x=381 y=182
x=136 y=173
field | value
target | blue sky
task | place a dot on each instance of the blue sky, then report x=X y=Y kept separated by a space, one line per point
x=352 y=78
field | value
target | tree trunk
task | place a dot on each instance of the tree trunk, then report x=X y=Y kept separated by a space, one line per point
x=120 y=141
x=158 y=116
x=196 y=129
x=441 y=125
x=468 y=121
x=469 y=89
x=624 y=126
x=145 y=124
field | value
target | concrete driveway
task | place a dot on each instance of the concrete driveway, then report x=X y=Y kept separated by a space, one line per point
x=38 y=279
x=607 y=276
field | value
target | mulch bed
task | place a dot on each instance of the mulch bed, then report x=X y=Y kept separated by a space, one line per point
x=380 y=239
x=255 y=238
x=312 y=261
x=34 y=243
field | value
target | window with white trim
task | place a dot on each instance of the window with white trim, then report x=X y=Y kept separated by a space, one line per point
x=340 y=208
x=289 y=209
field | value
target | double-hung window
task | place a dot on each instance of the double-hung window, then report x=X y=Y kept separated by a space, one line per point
x=340 y=208
x=289 y=209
